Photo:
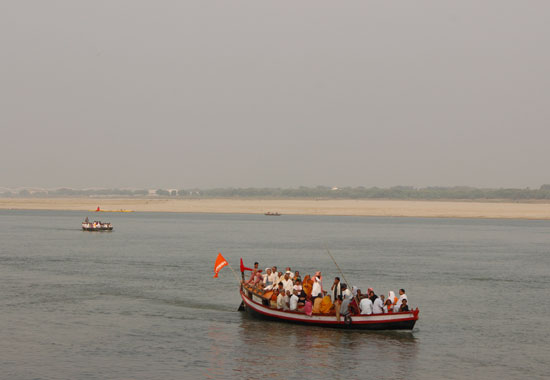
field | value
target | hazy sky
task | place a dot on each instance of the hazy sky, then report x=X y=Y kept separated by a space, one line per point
x=127 y=93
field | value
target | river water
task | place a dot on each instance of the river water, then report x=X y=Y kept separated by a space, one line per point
x=141 y=302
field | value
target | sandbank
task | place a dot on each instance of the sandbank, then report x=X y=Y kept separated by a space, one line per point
x=396 y=208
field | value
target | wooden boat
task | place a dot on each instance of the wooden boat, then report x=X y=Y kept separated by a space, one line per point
x=100 y=210
x=269 y=213
x=96 y=226
x=257 y=306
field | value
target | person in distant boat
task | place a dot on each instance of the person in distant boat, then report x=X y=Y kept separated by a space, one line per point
x=404 y=306
x=86 y=220
x=366 y=306
x=402 y=296
x=335 y=289
x=317 y=290
x=293 y=302
x=378 y=305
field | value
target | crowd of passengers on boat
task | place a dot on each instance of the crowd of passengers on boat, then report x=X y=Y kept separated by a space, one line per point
x=289 y=292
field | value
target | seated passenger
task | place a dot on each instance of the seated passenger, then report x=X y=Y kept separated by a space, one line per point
x=273 y=300
x=293 y=303
x=307 y=285
x=298 y=286
x=326 y=305
x=402 y=296
x=346 y=292
x=290 y=273
x=366 y=306
x=388 y=306
x=404 y=306
x=372 y=296
x=296 y=276
x=378 y=305
x=317 y=305
x=268 y=279
x=354 y=306
x=281 y=304
x=344 y=307
x=308 y=307
x=287 y=282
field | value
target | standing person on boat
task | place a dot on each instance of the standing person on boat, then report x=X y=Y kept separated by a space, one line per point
x=317 y=290
x=336 y=289
x=337 y=306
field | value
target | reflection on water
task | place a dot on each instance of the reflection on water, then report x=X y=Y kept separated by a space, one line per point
x=264 y=349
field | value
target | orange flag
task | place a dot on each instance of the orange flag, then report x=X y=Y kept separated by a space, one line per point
x=220 y=263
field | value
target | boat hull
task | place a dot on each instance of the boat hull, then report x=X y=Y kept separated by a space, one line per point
x=392 y=321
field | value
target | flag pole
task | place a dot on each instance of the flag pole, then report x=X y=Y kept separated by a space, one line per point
x=342 y=273
x=235 y=273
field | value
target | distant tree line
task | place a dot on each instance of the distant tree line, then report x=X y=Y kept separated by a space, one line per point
x=318 y=192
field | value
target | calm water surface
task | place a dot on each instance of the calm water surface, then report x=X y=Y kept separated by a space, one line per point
x=141 y=303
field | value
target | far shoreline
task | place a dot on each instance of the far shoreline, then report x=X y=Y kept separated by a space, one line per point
x=535 y=210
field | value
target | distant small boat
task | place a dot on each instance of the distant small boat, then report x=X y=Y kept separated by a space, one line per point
x=96 y=226
x=269 y=213
x=121 y=210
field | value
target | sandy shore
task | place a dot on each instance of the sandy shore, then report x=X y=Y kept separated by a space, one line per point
x=296 y=207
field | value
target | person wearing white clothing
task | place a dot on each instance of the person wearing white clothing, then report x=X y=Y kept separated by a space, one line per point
x=402 y=296
x=378 y=306
x=294 y=301
x=366 y=306
x=346 y=292
x=317 y=289
x=287 y=283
